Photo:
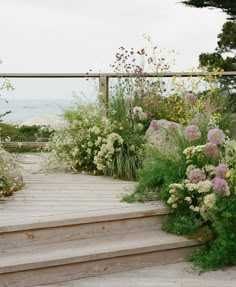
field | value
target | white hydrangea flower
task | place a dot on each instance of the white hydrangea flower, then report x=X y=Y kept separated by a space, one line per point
x=188 y=151
x=176 y=186
x=198 y=149
x=204 y=186
x=171 y=191
x=191 y=186
x=194 y=208
x=188 y=199
x=209 y=168
x=172 y=199
x=210 y=200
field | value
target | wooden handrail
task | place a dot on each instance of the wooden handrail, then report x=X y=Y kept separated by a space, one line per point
x=114 y=75
x=104 y=78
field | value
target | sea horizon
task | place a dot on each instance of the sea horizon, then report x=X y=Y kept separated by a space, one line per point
x=25 y=109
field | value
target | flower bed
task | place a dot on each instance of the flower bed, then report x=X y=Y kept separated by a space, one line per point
x=10 y=176
x=195 y=174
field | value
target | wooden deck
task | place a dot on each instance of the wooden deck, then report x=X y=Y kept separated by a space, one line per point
x=65 y=196
x=62 y=227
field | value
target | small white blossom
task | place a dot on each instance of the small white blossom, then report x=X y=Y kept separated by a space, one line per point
x=204 y=186
x=137 y=110
x=142 y=116
x=210 y=200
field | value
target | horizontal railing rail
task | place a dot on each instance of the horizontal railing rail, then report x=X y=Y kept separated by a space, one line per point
x=115 y=75
x=104 y=77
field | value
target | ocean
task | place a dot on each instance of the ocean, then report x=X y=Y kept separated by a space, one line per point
x=23 y=110
x=43 y=97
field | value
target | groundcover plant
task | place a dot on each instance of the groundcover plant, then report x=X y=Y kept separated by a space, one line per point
x=10 y=176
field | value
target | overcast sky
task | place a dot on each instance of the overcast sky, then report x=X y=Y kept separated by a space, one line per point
x=78 y=35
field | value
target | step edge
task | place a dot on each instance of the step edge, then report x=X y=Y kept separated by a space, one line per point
x=54 y=221
x=99 y=256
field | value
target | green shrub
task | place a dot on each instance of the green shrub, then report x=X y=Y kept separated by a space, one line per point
x=24 y=133
x=10 y=176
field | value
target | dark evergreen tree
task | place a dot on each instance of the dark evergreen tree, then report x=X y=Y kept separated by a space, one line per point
x=224 y=56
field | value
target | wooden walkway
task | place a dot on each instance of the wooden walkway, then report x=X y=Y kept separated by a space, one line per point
x=61 y=228
x=60 y=196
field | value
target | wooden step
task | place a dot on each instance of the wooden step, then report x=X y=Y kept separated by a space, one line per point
x=68 y=227
x=171 y=275
x=56 y=262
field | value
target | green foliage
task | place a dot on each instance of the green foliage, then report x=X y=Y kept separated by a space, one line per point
x=125 y=163
x=228 y=6
x=79 y=141
x=181 y=223
x=5 y=84
x=10 y=176
x=172 y=108
x=158 y=171
x=226 y=44
x=220 y=251
x=92 y=143
x=224 y=56
x=227 y=37
x=184 y=175
x=24 y=133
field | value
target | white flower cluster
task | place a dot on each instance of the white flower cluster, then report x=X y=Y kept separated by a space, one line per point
x=80 y=140
x=198 y=196
x=111 y=145
x=138 y=111
x=210 y=200
x=193 y=150
x=10 y=176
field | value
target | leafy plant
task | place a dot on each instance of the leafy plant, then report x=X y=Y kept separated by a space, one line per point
x=10 y=176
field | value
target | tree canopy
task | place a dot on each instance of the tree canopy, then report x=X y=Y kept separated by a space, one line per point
x=228 y=6
x=224 y=56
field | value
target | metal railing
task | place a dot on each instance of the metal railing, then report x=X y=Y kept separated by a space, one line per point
x=104 y=78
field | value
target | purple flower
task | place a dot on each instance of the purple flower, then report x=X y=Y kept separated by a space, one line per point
x=192 y=132
x=154 y=124
x=211 y=150
x=221 y=170
x=215 y=136
x=190 y=98
x=220 y=185
x=196 y=175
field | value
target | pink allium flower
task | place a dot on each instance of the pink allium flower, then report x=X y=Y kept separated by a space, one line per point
x=196 y=175
x=190 y=98
x=221 y=170
x=154 y=124
x=215 y=136
x=211 y=150
x=220 y=185
x=192 y=132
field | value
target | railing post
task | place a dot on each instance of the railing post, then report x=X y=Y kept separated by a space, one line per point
x=103 y=93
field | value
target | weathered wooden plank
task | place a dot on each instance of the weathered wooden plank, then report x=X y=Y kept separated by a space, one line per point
x=92 y=268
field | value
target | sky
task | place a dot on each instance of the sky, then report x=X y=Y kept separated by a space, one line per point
x=78 y=35
x=74 y=36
